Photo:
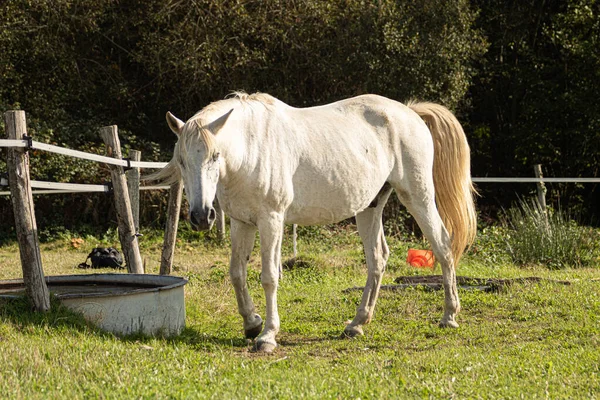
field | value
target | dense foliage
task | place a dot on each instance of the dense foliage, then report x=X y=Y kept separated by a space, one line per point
x=521 y=75
x=534 y=98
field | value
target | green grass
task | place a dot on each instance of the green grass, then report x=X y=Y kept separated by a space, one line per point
x=529 y=341
x=551 y=237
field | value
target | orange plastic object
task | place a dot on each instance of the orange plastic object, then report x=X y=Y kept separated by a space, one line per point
x=420 y=258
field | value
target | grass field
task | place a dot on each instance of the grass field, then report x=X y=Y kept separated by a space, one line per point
x=527 y=341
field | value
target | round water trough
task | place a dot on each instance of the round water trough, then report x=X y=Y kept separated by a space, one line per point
x=120 y=303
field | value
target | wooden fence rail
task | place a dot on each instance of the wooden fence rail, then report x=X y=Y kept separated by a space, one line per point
x=80 y=154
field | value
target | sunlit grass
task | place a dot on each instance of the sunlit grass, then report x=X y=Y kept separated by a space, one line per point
x=551 y=238
x=529 y=340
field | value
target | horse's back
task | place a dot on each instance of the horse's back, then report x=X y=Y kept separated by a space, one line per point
x=321 y=164
x=345 y=153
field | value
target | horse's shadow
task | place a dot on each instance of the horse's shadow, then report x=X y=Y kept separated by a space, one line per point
x=194 y=337
x=20 y=312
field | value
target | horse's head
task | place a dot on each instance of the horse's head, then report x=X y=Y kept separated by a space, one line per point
x=198 y=159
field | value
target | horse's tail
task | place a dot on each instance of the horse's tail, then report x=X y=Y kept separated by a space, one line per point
x=454 y=189
x=168 y=175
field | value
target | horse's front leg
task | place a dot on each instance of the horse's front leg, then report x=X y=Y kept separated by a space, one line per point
x=242 y=242
x=271 y=232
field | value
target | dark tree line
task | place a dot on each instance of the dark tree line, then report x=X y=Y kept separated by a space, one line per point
x=534 y=99
x=522 y=75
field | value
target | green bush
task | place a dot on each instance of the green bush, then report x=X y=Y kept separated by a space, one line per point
x=552 y=239
x=490 y=245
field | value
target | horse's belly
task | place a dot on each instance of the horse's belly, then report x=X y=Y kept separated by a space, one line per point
x=340 y=185
x=314 y=215
x=316 y=204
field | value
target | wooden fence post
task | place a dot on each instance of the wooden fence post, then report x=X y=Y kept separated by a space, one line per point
x=220 y=222
x=166 y=259
x=295 y=239
x=133 y=187
x=541 y=188
x=127 y=231
x=22 y=201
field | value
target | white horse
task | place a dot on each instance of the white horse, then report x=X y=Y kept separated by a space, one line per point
x=270 y=164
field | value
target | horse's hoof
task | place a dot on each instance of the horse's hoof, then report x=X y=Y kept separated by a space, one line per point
x=252 y=333
x=264 y=347
x=352 y=332
x=448 y=323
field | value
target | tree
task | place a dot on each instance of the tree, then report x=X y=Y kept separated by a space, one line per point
x=75 y=66
x=534 y=98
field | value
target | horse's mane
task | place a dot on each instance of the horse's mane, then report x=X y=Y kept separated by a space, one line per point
x=198 y=128
x=264 y=98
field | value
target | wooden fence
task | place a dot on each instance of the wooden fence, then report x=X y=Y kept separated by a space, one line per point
x=126 y=197
x=125 y=186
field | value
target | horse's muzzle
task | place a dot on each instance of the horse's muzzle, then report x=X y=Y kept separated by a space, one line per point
x=203 y=220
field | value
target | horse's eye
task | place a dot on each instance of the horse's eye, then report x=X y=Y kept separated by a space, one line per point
x=216 y=155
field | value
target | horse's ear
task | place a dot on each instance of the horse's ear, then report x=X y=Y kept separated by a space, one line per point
x=218 y=123
x=174 y=123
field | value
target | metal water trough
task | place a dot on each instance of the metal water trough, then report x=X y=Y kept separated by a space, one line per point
x=120 y=303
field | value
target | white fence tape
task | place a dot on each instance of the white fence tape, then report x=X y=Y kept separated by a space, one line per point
x=60 y=188
x=74 y=187
x=13 y=143
x=536 y=180
x=81 y=154
x=63 y=188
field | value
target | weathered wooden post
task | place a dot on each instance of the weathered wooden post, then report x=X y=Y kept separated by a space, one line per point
x=220 y=222
x=541 y=188
x=127 y=231
x=22 y=202
x=133 y=187
x=174 y=207
x=295 y=239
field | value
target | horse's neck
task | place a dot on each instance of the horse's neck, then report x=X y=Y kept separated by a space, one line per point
x=243 y=142
x=232 y=146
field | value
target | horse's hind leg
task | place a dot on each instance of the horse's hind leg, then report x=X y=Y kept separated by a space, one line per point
x=370 y=228
x=242 y=242
x=423 y=209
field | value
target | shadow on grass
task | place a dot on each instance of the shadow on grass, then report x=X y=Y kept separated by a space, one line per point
x=191 y=336
x=20 y=312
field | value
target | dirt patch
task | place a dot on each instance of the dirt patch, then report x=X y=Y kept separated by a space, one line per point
x=435 y=282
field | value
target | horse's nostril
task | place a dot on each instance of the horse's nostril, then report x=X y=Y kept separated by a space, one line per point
x=212 y=214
